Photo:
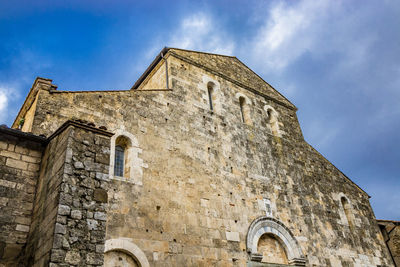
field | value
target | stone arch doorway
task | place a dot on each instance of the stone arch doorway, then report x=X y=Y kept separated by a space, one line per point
x=123 y=252
x=269 y=240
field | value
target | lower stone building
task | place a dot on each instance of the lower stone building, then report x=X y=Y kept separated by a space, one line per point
x=391 y=234
x=201 y=163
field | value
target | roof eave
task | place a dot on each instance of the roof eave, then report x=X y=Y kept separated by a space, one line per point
x=150 y=68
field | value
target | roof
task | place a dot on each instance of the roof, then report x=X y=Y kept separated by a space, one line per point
x=228 y=67
x=23 y=135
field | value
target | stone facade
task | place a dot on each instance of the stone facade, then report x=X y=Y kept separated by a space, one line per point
x=391 y=234
x=20 y=157
x=219 y=173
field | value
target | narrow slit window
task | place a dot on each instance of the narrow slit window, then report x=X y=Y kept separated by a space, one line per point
x=119 y=161
x=210 y=91
x=242 y=103
x=347 y=211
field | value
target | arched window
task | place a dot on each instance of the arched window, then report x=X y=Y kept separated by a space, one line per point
x=119 y=161
x=272 y=120
x=210 y=90
x=122 y=159
x=125 y=164
x=244 y=104
x=347 y=210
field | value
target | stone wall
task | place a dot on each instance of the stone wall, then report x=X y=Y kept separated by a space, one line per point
x=20 y=156
x=391 y=234
x=68 y=225
x=205 y=174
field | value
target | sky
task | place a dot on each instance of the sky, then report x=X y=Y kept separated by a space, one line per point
x=337 y=61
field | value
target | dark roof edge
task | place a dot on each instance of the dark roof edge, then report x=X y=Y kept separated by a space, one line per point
x=150 y=68
x=44 y=140
x=81 y=126
x=388 y=221
x=289 y=106
x=24 y=135
x=32 y=93
x=267 y=83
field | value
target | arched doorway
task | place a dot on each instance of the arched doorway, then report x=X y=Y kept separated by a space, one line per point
x=269 y=240
x=122 y=252
x=271 y=249
x=116 y=258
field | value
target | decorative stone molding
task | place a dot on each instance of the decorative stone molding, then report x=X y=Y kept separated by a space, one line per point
x=136 y=163
x=267 y=225
x=272 y=117
x=215 y=94
x=345 y=219
x=127 y=246
x=238 y=95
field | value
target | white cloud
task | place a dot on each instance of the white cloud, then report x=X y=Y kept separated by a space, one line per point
x=6 y=95
x=288 y=32
x=201 y=32
x=320 y=28
x=3 y=101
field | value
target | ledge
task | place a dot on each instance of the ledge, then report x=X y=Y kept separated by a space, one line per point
x=24 y=135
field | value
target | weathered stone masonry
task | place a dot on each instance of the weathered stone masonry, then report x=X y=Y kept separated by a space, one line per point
x=207 y=183
x=20 y=157
x=68 y=220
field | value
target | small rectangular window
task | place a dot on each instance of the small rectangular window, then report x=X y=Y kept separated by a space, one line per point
x=119 y=161
x=268 y=210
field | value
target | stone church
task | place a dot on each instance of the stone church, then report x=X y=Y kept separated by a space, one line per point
x=200 y=163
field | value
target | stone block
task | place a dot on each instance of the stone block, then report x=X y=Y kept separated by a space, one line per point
x=76 y=214
x=13 y=163
x=73 y=257
x=100 y=216
x=30 y=159
x=10 y=154
x=92 y=224
x=100 y=195
x=6 y=183
x=232 y=236
x=22 y=228
x=78 y=165
x=60 y=229
x=64 y=210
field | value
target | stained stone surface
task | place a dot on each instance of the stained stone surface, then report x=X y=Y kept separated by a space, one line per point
x=204 y=174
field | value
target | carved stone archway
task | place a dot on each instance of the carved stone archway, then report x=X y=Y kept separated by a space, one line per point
x=267 y=225
x=127 y=246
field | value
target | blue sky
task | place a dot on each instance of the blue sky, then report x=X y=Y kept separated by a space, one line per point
x=337 y=61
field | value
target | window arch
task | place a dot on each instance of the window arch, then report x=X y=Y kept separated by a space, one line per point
x=125 y=163
x=244 y=105
x=122 y=157
x=272 y=120
x=210 y=91
x=273 y=234
x=345 y=203
x=210 y=88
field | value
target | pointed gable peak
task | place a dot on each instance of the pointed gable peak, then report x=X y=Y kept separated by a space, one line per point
x=228 y=67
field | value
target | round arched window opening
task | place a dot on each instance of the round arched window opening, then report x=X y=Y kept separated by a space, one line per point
x=210 y=90
x=242 y=102
x=347 y=211
x=121 y=159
